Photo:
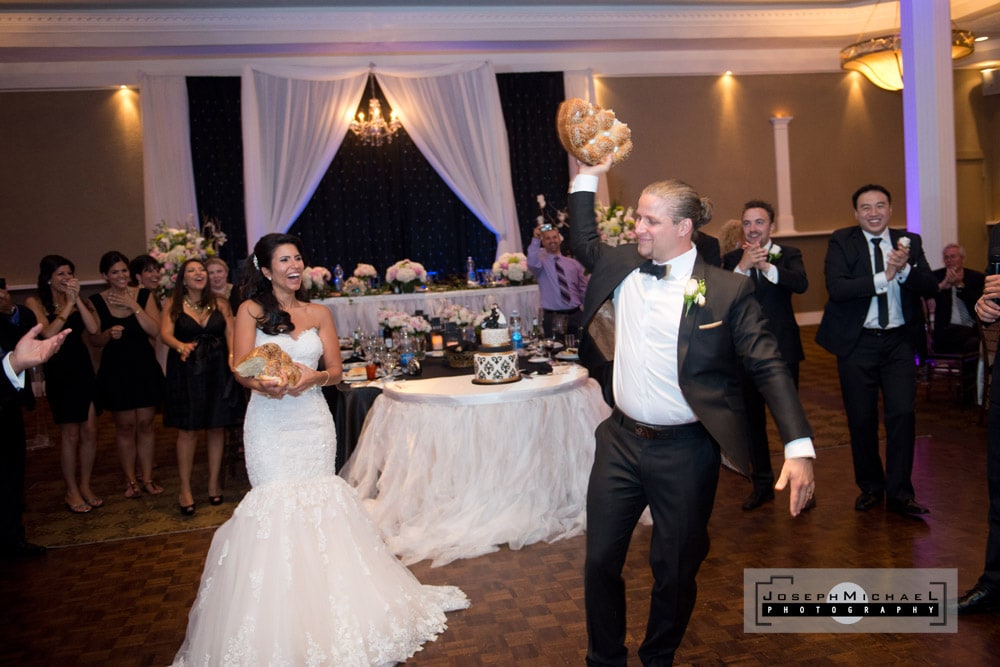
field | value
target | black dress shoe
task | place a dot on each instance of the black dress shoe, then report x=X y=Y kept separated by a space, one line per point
x=908 y=506
x=979 y=600
x=866 y=501
x=757 y=498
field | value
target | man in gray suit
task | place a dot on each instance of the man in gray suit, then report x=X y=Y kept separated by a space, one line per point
x=673 y=365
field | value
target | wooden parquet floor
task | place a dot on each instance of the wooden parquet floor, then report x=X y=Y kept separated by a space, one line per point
x=126 y=602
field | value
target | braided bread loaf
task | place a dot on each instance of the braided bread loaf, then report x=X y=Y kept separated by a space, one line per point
x=589 y=132
x=269 y=362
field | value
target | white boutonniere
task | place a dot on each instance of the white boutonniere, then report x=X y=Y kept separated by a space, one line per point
x=694 y=293
x=774 y=253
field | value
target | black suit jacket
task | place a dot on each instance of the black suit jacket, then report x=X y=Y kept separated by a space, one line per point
x=972 y=289
x=11 y=399
x=713 y=339
x=776 y=299
x=10 y=333
x=849 y=283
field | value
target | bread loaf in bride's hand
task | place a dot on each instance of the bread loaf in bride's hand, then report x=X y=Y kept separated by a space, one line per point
x=269 y=362
x=589 y=132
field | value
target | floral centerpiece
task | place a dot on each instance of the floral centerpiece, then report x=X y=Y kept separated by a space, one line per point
x=366 y=273
x=316 y=281
x=615 y=224
x=514 y=267
x=405 y=275
x=172 y=246
x=355 y=286
x=458 y=315
x=398 y=322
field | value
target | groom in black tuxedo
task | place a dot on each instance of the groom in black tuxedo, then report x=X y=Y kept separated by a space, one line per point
x=674 y=364
x=875 y=277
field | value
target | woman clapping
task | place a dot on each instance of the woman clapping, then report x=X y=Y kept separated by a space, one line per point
x=70 y=384
x=197 y=326
x=129 y=380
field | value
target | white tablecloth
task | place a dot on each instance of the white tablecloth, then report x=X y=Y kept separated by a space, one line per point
x=449 y=469
x=351 y=312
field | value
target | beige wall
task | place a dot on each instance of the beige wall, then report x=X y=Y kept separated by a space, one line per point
x=71 y=166
x=715 y=133
x=70 y=179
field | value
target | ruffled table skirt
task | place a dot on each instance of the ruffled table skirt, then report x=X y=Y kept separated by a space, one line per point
x=452 y=470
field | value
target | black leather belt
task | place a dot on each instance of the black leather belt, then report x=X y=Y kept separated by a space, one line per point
x=569 y=311
x=882 y=332
x=651 y=432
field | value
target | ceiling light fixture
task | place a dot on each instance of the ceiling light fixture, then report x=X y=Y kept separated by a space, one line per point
x=374 y=130
x=881 y=58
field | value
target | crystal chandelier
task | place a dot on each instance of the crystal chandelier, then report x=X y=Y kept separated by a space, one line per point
x=374 y=130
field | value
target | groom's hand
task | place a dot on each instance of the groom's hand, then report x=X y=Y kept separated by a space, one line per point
x=798 y=473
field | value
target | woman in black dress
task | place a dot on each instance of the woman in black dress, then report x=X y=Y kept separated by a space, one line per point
x=70 y=384
x=129 y=380
x=197 y=326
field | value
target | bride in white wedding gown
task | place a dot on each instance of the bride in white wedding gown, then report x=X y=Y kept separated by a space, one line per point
x=299 y=575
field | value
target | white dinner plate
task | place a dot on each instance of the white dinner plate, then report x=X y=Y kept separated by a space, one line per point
x=355 y=364
x=538 y=360
x=567 y=356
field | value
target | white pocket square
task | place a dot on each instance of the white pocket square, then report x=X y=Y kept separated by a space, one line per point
x=710 y=326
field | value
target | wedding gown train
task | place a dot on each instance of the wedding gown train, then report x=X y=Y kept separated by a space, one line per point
x=300 y=575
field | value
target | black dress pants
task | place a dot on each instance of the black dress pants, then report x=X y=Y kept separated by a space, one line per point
x=677 y=477
x=882 y=362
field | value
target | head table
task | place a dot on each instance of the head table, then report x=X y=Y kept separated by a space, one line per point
x=449 y=469
x=349 y=313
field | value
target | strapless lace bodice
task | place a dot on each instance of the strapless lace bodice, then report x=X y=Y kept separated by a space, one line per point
x=290 y=438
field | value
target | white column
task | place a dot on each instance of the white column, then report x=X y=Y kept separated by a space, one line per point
x=929 y=123
x=785 y=222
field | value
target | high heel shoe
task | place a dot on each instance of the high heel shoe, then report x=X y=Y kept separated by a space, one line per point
x=82 y=508
x=132 y=490
x=187 y=510
x=216 y=500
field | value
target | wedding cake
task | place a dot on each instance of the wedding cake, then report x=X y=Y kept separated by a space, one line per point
x=495 y=362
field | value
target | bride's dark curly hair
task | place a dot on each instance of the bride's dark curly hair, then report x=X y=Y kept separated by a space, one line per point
x=253 y=285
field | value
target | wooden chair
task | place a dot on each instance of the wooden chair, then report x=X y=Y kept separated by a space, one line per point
x=946 y=365
x=989 y=337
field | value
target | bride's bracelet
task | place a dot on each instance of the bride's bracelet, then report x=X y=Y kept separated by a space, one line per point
x=325 y=381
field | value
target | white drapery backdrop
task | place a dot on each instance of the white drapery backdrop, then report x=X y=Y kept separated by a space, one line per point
x=294 y=120
x=168 y=175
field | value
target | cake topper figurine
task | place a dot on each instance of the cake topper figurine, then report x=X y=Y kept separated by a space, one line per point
x=495 y=320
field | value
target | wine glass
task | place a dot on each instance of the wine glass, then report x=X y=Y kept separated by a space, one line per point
x=390 y=362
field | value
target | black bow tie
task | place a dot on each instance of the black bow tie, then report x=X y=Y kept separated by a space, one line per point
x=656 y=270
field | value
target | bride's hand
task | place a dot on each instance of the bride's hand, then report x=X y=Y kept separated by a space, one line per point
x=307 y=380
x=272 y=387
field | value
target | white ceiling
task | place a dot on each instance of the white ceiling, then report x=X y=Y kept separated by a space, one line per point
x=77 y=43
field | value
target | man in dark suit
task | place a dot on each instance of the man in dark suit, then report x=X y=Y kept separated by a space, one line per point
x=677 y=347
x=985 y=595
x=875 y=277
x=953 y=319
x=19 y=351
x=777 y=273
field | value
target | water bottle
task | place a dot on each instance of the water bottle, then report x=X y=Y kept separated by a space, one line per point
x=516 y=338
x=338 y=278
x=470 y=273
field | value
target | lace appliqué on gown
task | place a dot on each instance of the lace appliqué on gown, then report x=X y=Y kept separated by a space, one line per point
x=300 y=575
